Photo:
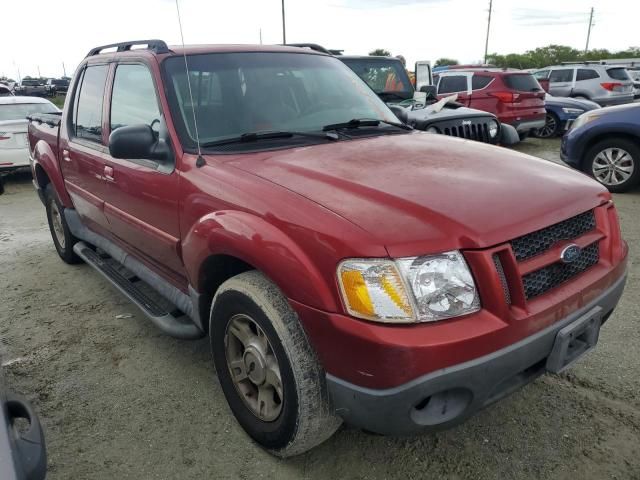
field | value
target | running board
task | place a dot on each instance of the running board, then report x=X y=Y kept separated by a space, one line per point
x=171 y=321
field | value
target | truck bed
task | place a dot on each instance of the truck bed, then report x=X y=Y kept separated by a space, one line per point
x=45 y=127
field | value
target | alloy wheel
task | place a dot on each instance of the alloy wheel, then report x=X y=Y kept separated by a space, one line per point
x=56 y=221
x=254 y=368
x=550 y=127
x=613 y=166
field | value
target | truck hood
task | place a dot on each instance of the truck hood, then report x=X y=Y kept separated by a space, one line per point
x=419 y=193
x=447 y=113
x=568 y=102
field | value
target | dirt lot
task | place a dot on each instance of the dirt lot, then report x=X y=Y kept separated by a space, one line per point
x=120 y=400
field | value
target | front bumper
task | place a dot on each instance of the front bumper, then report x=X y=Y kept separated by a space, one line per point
x=446 y=397
x=13 y=158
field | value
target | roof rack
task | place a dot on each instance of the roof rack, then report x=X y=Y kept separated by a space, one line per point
x=584 y=62
x=158 y=46
x=312 y=46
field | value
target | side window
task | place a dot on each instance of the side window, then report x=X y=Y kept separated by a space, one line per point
x=541 y=75
x=478 y=82
x=452 y=84
x=87 y=118
x=133 y=100
x=586 y=74
x=564 y=75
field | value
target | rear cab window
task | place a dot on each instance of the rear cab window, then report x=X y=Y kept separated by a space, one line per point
x=586 y=74
x=478 y=82
x=618 y=74
x=452 y=84
x=562 y=75
x=87 y=112
x=522 y=82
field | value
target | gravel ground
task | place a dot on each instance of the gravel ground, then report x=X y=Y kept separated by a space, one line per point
x=120 y=400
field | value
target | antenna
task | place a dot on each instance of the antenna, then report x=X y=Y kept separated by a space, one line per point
x=200 y=162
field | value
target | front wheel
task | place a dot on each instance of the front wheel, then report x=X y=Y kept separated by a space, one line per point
x=550 y=129
x=268 y=372
x=62 y=237
x=614 y=163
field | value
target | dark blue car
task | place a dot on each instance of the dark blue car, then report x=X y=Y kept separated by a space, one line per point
x=605 y=144
x=561 y=113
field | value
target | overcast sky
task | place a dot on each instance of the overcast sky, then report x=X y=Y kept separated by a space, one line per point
x=50 y=33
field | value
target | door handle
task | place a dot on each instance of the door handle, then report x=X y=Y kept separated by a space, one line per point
x=108 y=173
x=65 y=155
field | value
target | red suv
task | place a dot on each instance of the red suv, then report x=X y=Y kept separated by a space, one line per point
x=514 y=96
x=343 y=265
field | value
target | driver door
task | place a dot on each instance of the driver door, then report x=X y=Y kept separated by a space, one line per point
x=141 y=202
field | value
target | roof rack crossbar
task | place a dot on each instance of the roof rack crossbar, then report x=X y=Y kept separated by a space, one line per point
x=158 y=46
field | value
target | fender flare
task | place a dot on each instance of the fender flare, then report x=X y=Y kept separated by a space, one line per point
x=262 y=245
x=44 y=157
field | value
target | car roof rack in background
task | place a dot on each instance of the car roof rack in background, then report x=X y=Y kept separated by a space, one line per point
x=584 y=62
x=313 y=46
x=158 y=46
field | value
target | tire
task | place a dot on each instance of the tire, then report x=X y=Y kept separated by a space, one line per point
x=625 y=154
x=551 y=127
x=305 y=417
x=63 y=240
x=524 y=135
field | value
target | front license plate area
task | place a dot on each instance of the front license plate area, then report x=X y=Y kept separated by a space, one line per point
x=574 y=340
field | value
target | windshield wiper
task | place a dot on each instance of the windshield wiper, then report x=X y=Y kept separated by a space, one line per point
x=256 y=136
x=364 y=122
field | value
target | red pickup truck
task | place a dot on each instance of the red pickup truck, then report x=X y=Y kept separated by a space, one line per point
x=343 y=266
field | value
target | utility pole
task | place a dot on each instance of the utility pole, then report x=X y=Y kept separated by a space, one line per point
x=486 y=44
x=64 y=70
x=586 y=49
x=39 y=74
x=284 y=26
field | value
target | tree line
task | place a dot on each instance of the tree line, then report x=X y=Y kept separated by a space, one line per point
x=540 y=57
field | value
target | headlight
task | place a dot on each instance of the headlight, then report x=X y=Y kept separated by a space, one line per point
x=433 y=130
x=573 y=111
x=584 y=119
x=416 y=289
x=493 y=129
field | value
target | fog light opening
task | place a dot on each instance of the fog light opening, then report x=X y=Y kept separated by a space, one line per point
x=441 y=407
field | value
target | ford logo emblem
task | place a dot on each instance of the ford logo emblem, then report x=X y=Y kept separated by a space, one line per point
x=570 y=253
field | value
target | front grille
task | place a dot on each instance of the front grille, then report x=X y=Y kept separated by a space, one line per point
x=470 y=129
x=538 y=282
x=540 y=241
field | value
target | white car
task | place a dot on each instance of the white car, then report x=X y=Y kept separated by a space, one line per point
x=14 y=146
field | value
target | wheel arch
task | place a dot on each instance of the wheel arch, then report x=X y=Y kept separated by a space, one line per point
x=47 y=169
x=226 y=243
x=605 y=136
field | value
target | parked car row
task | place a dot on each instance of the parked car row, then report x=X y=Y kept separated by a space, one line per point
x=603 y=84
x=40 y=87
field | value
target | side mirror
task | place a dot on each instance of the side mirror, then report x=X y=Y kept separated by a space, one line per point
x=400 y=112
x=133 y=142
x=430 y=90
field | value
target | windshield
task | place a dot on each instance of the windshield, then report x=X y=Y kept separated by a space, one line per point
x=238 y=93
x=19 y=111
x=383 y=76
